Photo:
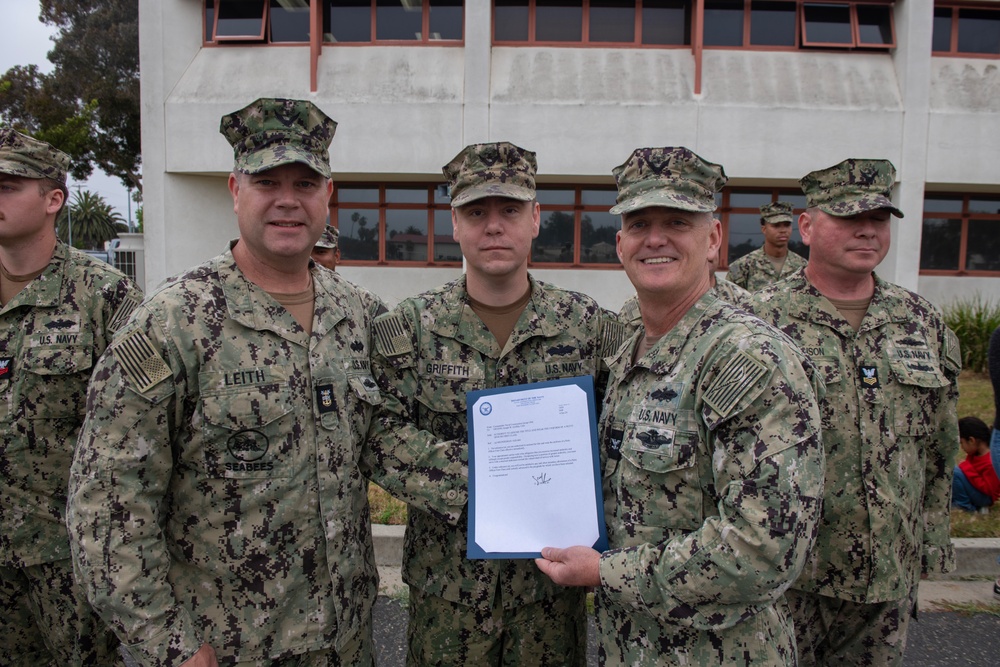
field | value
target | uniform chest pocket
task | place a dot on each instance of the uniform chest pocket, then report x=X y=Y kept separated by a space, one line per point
x=441 y=404
x=916 y=396
x=247 y=433
x=55 y=381
x=659 y=477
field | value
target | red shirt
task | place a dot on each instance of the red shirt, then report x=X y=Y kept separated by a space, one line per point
x=979 y=470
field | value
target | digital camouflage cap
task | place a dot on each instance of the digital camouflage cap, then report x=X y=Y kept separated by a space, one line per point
x=851 y=187
x=21 y=155
x=330 y=238
x=671 y=177
x=775 y=212
x=271 y=132
x=498 y=169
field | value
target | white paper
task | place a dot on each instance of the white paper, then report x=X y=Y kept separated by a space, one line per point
x=534 y=470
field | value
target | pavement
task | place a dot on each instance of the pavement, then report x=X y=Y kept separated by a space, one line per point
x=958 y=619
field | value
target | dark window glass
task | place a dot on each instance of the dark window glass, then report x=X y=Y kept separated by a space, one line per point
x=406 y=195
x=772 y=23
x=556 y=196
x=397 y=20
x=599 y=197
x=358 y=233
x=510 y=21
x=446 y=248
x=723 y=22
x=559 y=20
x=446 y=19
x=612 y=21
x=597 y=238
x=240 y=18
x=666 y=22
x=441 y=194
x=744 y=235
x=942 y=204
x=797 y=200
x=796 y=245
x=874 y=24
x=555 y=238
x=357 y=195
x=406 y=235
x=941 y=41
x=749 y=199
x=984 y=205
x=209 y=19
x=983 y=249
x=289 y=24
x=348 y=21
x=828 y=24
x=978 y=31
x=939 y=245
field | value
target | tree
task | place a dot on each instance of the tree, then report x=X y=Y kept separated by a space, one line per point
x=93 y=220
x=88 y=106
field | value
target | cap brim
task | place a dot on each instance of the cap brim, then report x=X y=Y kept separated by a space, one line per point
x=663 y=199
x=854 y=207
x=507 y=190
x=15 y=168
x=289 y=155
x=776 y=221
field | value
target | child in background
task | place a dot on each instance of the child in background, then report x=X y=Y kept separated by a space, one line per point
x=975 y=484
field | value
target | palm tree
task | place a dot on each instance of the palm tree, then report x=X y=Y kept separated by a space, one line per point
x=93 y=219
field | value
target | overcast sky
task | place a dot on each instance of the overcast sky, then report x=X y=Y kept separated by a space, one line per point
x=26 y=41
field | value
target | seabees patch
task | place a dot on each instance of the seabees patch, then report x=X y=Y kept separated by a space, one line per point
x=738 y=377
x=140 y=361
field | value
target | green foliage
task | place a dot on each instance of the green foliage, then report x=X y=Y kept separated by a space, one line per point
x=88 y=106
x=973 y=320
x=93 y=220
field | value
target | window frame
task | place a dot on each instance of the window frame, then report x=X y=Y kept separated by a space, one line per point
x=855 y=25
x=956 y=6
x=965 y=217
x=264 y=24
x=726 y=209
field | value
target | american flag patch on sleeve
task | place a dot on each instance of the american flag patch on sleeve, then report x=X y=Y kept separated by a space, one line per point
x=736 y=379
x=392 y=335
x=140 y=361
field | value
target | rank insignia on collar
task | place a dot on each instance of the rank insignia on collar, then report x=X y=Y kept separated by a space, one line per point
x=869 y=377
x=324 y=398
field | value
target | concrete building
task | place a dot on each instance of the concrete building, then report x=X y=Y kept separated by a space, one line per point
x=771 y=90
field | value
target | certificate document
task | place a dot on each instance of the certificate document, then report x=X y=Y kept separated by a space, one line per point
x=534 y=471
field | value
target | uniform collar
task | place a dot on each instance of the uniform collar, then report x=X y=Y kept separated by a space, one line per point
x=45 y=291
x=884 y=307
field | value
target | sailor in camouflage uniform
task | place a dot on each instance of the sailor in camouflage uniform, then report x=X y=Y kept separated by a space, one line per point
x=218 y=510
x=773 y=261
x=495 y=326
x=890 y=427
x=58 y=310
x=713 y=466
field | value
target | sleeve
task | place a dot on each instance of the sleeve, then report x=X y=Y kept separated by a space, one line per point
x=761 y=420
x=411 y=463
x=118 y=481
x=942 y=442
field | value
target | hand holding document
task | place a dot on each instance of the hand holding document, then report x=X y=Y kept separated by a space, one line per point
x=534 y=477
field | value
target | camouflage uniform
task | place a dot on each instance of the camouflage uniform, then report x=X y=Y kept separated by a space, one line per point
x=431 y=351
x=51 y=335
x=711 y=493
x=373 y=304
x=890 y=431
x=754 y=271
x=217 y=493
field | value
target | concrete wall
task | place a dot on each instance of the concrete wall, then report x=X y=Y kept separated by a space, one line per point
x=768 y=117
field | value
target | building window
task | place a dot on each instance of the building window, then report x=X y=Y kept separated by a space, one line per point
x=960 y=234
x=740 y=216
x=576 y=228
x=344 y=21
x=966 y=31
x=770 y=24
